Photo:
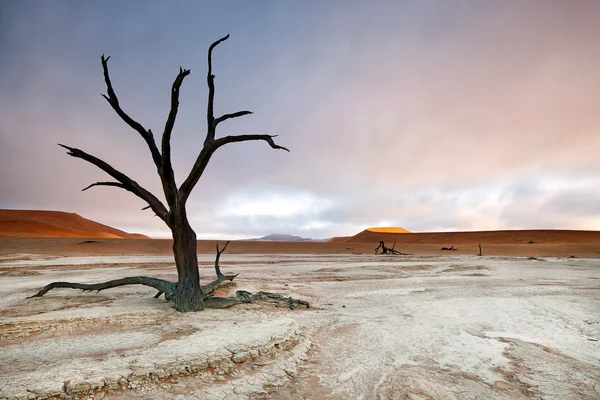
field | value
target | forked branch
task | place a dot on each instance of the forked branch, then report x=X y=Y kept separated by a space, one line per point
x=206 y=153
x=217 y=257
x=209 y=288
x=210 y=143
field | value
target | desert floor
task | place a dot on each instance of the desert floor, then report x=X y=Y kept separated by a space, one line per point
x=440 y=326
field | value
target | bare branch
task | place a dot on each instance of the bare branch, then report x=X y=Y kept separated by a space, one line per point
x=208 y=150
x=128 y=183
x=117 y=184
x=232 y=115
x=218 y=256
x=209 y=288
x=210 y=79
x=244 y=138
x=114 y=102
x=166 y=172
x=145 y=208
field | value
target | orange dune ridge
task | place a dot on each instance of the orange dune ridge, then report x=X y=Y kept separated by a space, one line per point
x=388 y=229
x=531 y=236
x=55 y=224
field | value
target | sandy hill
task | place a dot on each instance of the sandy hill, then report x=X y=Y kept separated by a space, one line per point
x=538 y=236
x=55 y=224
x=388 y=229
x=281 y=237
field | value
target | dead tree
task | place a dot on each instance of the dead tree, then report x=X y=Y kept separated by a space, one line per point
x=388 y=250
x=451 y=248
x=480 y=250
x=187 y=293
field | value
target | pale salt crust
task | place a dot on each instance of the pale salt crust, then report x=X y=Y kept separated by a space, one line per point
x=447 y=327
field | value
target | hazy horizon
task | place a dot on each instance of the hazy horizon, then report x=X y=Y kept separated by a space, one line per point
x=428 y=115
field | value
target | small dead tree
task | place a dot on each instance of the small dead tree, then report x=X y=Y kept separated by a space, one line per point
x=480 y=250
x=388 y=250
x=187 y=293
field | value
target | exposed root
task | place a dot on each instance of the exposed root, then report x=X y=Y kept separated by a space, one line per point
x=166 y=287
x=242 y=296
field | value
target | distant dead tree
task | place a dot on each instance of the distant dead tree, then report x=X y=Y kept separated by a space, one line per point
x=187 y=293
x=480 y=250
x=451 y=248
x=388 y=250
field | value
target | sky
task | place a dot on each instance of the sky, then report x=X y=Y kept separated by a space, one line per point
x=432 y=115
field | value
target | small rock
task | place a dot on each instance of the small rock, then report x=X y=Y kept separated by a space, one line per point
x=77 y=388
x=240 y=357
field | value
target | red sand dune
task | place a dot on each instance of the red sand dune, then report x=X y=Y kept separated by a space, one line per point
x=55 y=224
x=538 y=236
x=388 y=229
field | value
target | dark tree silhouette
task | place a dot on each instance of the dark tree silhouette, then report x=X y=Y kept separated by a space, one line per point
x=451 y=248
x=187 y=293
x=388 y=250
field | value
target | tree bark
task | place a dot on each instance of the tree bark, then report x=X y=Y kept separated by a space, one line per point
x=188 y=295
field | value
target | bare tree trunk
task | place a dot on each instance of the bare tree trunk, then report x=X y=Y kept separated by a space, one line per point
x=188 y=295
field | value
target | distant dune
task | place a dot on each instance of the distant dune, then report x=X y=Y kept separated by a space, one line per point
x=538 y=236
x=388 y=229
x=55 y=224
x=281 y=237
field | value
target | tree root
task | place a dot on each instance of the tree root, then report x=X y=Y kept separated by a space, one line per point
x=242 y=296
x=166 y=287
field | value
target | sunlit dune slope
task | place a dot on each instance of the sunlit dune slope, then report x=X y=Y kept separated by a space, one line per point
x=539 y=236
x=55 y=224
x=388 y=229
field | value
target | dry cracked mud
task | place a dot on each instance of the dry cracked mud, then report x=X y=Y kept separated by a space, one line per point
x=415 y=327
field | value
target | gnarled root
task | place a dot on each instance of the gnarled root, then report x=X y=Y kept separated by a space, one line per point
x=242 y=296
x=166 y=287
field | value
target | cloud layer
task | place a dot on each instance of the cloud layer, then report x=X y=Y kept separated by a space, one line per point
x=429 y=115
